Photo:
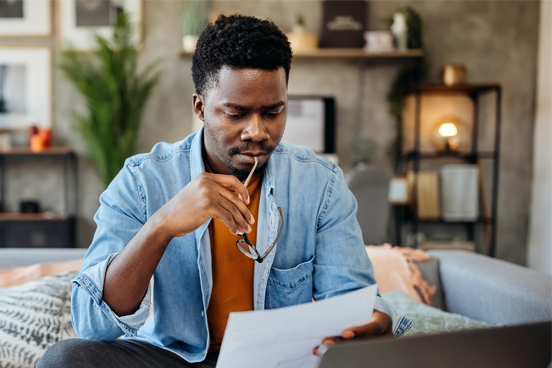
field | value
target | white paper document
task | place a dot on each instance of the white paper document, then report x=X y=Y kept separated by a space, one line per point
x=285 y=337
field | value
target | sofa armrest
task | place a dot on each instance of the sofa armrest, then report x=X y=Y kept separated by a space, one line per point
x=20 y=257
x=493 y=291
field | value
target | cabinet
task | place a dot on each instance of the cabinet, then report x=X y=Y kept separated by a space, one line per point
x=413 y=159
x=36 y=230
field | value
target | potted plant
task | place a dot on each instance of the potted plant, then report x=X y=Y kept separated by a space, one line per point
x=300 y=39
x=115 y=94
x=194 y=20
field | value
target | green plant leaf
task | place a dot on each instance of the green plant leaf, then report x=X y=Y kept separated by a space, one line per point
x=115 y=94
x=415 y=72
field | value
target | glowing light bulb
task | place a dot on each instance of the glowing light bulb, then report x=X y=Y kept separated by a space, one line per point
x=448 y=130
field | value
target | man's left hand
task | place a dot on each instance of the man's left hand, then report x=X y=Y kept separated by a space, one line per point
x=380 y=325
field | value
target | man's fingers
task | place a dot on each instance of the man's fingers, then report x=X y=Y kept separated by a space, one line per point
x=380 y=325
x=236 y=220
x=246 y=214
x=232 y=183
x=227 y=219
x=328 y=341
x=368 y=330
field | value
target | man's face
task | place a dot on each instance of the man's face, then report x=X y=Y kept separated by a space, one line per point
x=244 y=116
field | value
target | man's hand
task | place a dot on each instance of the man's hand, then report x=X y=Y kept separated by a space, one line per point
x=206 y=196
x=380 y=325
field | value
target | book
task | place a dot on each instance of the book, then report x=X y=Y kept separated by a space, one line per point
x=426 y=192
x=344 y=23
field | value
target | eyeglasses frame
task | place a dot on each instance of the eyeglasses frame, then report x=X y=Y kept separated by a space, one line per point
x=257 y=257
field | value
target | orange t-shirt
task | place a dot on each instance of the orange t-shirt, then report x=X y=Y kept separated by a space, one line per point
x=232 y=270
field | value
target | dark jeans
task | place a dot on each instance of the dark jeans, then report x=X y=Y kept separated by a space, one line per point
x=120 y=353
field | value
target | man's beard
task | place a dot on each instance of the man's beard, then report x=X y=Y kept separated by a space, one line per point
x=245 y=147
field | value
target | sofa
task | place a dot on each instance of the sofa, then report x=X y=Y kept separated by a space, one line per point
x=475 y=291
x=473 y=285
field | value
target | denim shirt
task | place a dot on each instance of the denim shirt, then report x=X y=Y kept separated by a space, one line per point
x=320 y=253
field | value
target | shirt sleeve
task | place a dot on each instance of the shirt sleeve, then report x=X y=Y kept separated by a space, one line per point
x=120 y=216
x=341 y=263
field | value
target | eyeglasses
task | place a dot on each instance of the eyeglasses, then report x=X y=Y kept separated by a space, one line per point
x=245 y=246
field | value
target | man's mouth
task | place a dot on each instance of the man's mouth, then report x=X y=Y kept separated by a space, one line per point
x=249 y=157
x=253 y=154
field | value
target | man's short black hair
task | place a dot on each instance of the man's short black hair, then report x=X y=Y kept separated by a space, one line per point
x=238 y=41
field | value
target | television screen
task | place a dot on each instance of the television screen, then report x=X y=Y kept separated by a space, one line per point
x=311 y=123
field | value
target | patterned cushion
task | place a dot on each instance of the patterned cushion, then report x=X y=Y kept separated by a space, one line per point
x=33 y=317
x=429 y=320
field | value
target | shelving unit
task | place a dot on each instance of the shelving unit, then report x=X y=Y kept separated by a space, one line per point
x=474 y=91
x=352 y=54
x=24 y=230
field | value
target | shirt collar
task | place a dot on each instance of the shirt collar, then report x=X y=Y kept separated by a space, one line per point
x=196 y=161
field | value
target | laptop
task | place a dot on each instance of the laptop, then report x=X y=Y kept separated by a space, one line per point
x=519 y=346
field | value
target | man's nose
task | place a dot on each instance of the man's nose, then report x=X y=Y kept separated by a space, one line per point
x=255 y=130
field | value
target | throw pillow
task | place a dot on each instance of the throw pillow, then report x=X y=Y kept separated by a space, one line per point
x=429 y=320
x=20 y=275
x=391 y=271
x=33 y=317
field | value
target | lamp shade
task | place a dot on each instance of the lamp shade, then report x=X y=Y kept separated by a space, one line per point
x=448 y=129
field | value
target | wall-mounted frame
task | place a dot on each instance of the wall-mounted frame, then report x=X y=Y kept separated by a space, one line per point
x=24 y=18
x=80 y=19
x=25 y=87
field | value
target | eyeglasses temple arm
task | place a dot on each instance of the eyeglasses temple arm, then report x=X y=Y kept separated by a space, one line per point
x=260 y=260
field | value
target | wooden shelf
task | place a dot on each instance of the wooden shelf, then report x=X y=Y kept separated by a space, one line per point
x=460 y=155
x=345 y=54
x=443 y=221
x=465 y=88
x=17 y=151
x=45 y=216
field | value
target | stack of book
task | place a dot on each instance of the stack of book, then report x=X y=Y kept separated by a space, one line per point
x=426 y=185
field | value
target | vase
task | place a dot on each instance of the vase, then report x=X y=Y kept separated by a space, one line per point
x=189 y=42
x=301 y=40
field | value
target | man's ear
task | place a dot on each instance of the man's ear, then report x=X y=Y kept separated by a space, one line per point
x=198 y=105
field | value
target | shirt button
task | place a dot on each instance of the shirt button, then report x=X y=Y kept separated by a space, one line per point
x=202 y=313
x=272 y=222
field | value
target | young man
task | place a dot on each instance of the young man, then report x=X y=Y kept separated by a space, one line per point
x=177 y=214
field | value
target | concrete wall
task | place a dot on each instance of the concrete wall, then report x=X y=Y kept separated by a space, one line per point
x=497 y=41
x=539 y=254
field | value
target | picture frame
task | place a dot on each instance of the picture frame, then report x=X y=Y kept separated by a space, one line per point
x=80 y=19
x=25 y=18
x=25 y=88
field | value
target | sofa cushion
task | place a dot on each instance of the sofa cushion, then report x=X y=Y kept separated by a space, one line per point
x=19 y=257
x=391 y=271
x=429 y=320
x=33 y=317
x=20 y=275
x=430 y=273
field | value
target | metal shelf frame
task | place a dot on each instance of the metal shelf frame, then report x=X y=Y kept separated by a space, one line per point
x=474 y=91
x=66 y=222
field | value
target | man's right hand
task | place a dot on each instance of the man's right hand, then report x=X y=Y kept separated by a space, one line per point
x=206 y=196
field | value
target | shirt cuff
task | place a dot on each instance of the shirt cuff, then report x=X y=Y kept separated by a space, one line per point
x=92 y=280
x=401 y=324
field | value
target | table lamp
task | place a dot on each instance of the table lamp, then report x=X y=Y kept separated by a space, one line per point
x=448 y=132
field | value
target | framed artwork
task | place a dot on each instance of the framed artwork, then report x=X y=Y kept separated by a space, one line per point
x=25 y=88
x=80 y=19
x=24 y=18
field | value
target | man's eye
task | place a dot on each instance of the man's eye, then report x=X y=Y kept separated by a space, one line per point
x=273 y=114
x=236 y=116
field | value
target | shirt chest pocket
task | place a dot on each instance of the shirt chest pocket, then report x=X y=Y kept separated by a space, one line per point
x=289 y=287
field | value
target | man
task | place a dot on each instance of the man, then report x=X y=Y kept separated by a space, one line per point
x=177 y=213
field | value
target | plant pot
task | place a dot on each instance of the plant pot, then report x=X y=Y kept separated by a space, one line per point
x=301 y=40
x=189 y=42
